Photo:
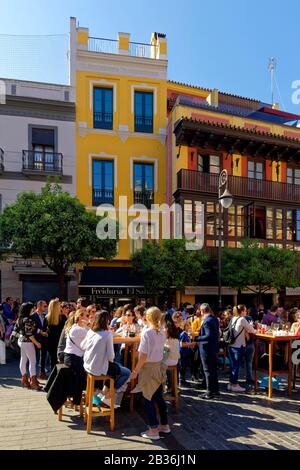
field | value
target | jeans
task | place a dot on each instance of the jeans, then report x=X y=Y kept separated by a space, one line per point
x=157 y=399
x=41 y=356
x=185 y=362
x=27 y=354
x=122 y=378
x=235 y=357
x=210 y=369
x=249 y=355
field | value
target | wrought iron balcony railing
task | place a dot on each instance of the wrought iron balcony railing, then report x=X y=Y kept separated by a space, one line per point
x=239 y=186
x=143 y=124
x=103 y=120
x=103 y=196
x=144 y=197
x=42 y=162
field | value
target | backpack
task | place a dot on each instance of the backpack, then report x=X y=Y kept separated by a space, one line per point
x=228 y=333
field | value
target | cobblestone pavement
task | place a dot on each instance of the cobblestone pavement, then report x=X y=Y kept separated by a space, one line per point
x=230 y=422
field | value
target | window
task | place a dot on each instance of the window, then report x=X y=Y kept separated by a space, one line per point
x=278 y=224
x=293 y=176
x=42 y=157
x=269 y=224
x=103 y=108
x=103 y=182
x=143 y=111
x=208 y=163
x=293 y=225
x=144 y=184
x=235 y=221
x=255 y=170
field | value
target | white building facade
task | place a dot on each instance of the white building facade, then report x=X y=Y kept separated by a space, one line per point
x=37 y=139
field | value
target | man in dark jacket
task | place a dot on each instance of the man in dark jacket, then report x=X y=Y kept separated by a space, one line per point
x=208 y=340
x=39 y=317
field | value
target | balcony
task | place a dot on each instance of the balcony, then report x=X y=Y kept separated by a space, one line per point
x=1 y=160
x=144 y=197
x=103 y=120
x=239 y=186
x=103 y=196
x=42 y=163
x=143 y=124
x=111 y=46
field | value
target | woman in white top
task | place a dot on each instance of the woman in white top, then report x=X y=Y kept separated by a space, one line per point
x=99 y=355
x=236 y=350
x=171 y=349
x=73 y=353
x=151 y=372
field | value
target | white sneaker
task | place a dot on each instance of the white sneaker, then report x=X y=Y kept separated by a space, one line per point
x=229 y=387
x=107 y=401
x=237 y=388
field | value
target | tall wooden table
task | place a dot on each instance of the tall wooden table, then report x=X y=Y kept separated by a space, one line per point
x=130 y=343
x=271 y=340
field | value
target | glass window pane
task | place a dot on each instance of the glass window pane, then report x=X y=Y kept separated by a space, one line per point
x=250 y=166
x=199 y=162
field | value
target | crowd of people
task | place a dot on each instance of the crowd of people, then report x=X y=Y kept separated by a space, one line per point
x=80 y=336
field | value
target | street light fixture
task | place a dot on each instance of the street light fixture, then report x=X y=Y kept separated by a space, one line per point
x=225 y=201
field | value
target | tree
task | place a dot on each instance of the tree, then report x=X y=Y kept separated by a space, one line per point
x=259 y=269
x=168 y=265
x=55 y=227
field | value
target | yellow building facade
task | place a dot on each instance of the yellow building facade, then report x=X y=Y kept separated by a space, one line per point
x=121 y=100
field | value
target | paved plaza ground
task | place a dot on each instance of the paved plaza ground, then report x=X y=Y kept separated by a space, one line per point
x=230 y=422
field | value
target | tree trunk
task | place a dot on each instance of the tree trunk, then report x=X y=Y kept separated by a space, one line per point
x=62 y=286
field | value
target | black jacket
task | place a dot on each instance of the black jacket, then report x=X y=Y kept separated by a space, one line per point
x=62 y=384
x=36 y=318
x=208 y=338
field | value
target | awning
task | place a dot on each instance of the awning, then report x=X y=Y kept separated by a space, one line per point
x=110 y=282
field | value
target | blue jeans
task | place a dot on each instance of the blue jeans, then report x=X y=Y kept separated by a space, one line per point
x=157 y=399
x=249 y=355
x=122 y=378
x=235 y=357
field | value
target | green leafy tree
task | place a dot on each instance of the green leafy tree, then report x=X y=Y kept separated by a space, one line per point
x=55 y=227
x=168 y=265
x=259 y=269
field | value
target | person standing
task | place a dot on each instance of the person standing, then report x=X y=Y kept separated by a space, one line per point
x=209 y=347
x=236 y=351
x=27 y=328
x=39 y=317
x=55 y=326
x=151 y=372
x=8 y=309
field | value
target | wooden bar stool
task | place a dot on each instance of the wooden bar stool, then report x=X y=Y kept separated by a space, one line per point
x=174 y=397
x=69 y=403
x=92 y=410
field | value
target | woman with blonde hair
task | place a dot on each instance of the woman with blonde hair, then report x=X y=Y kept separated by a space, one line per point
x=54 y=328
x=151 y=372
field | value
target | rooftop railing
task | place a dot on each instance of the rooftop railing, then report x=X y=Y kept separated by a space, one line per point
x=111 y=46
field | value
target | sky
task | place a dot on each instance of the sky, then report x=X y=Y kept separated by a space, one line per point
x=224 y=44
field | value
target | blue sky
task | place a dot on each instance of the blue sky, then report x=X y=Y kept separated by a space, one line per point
x=222 y=43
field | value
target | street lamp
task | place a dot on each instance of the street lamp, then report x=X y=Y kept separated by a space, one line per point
x=225 y=201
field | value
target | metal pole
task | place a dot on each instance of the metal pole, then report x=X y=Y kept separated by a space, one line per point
x=220 y=256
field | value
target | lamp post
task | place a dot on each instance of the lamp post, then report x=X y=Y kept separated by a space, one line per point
x=225 y=201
